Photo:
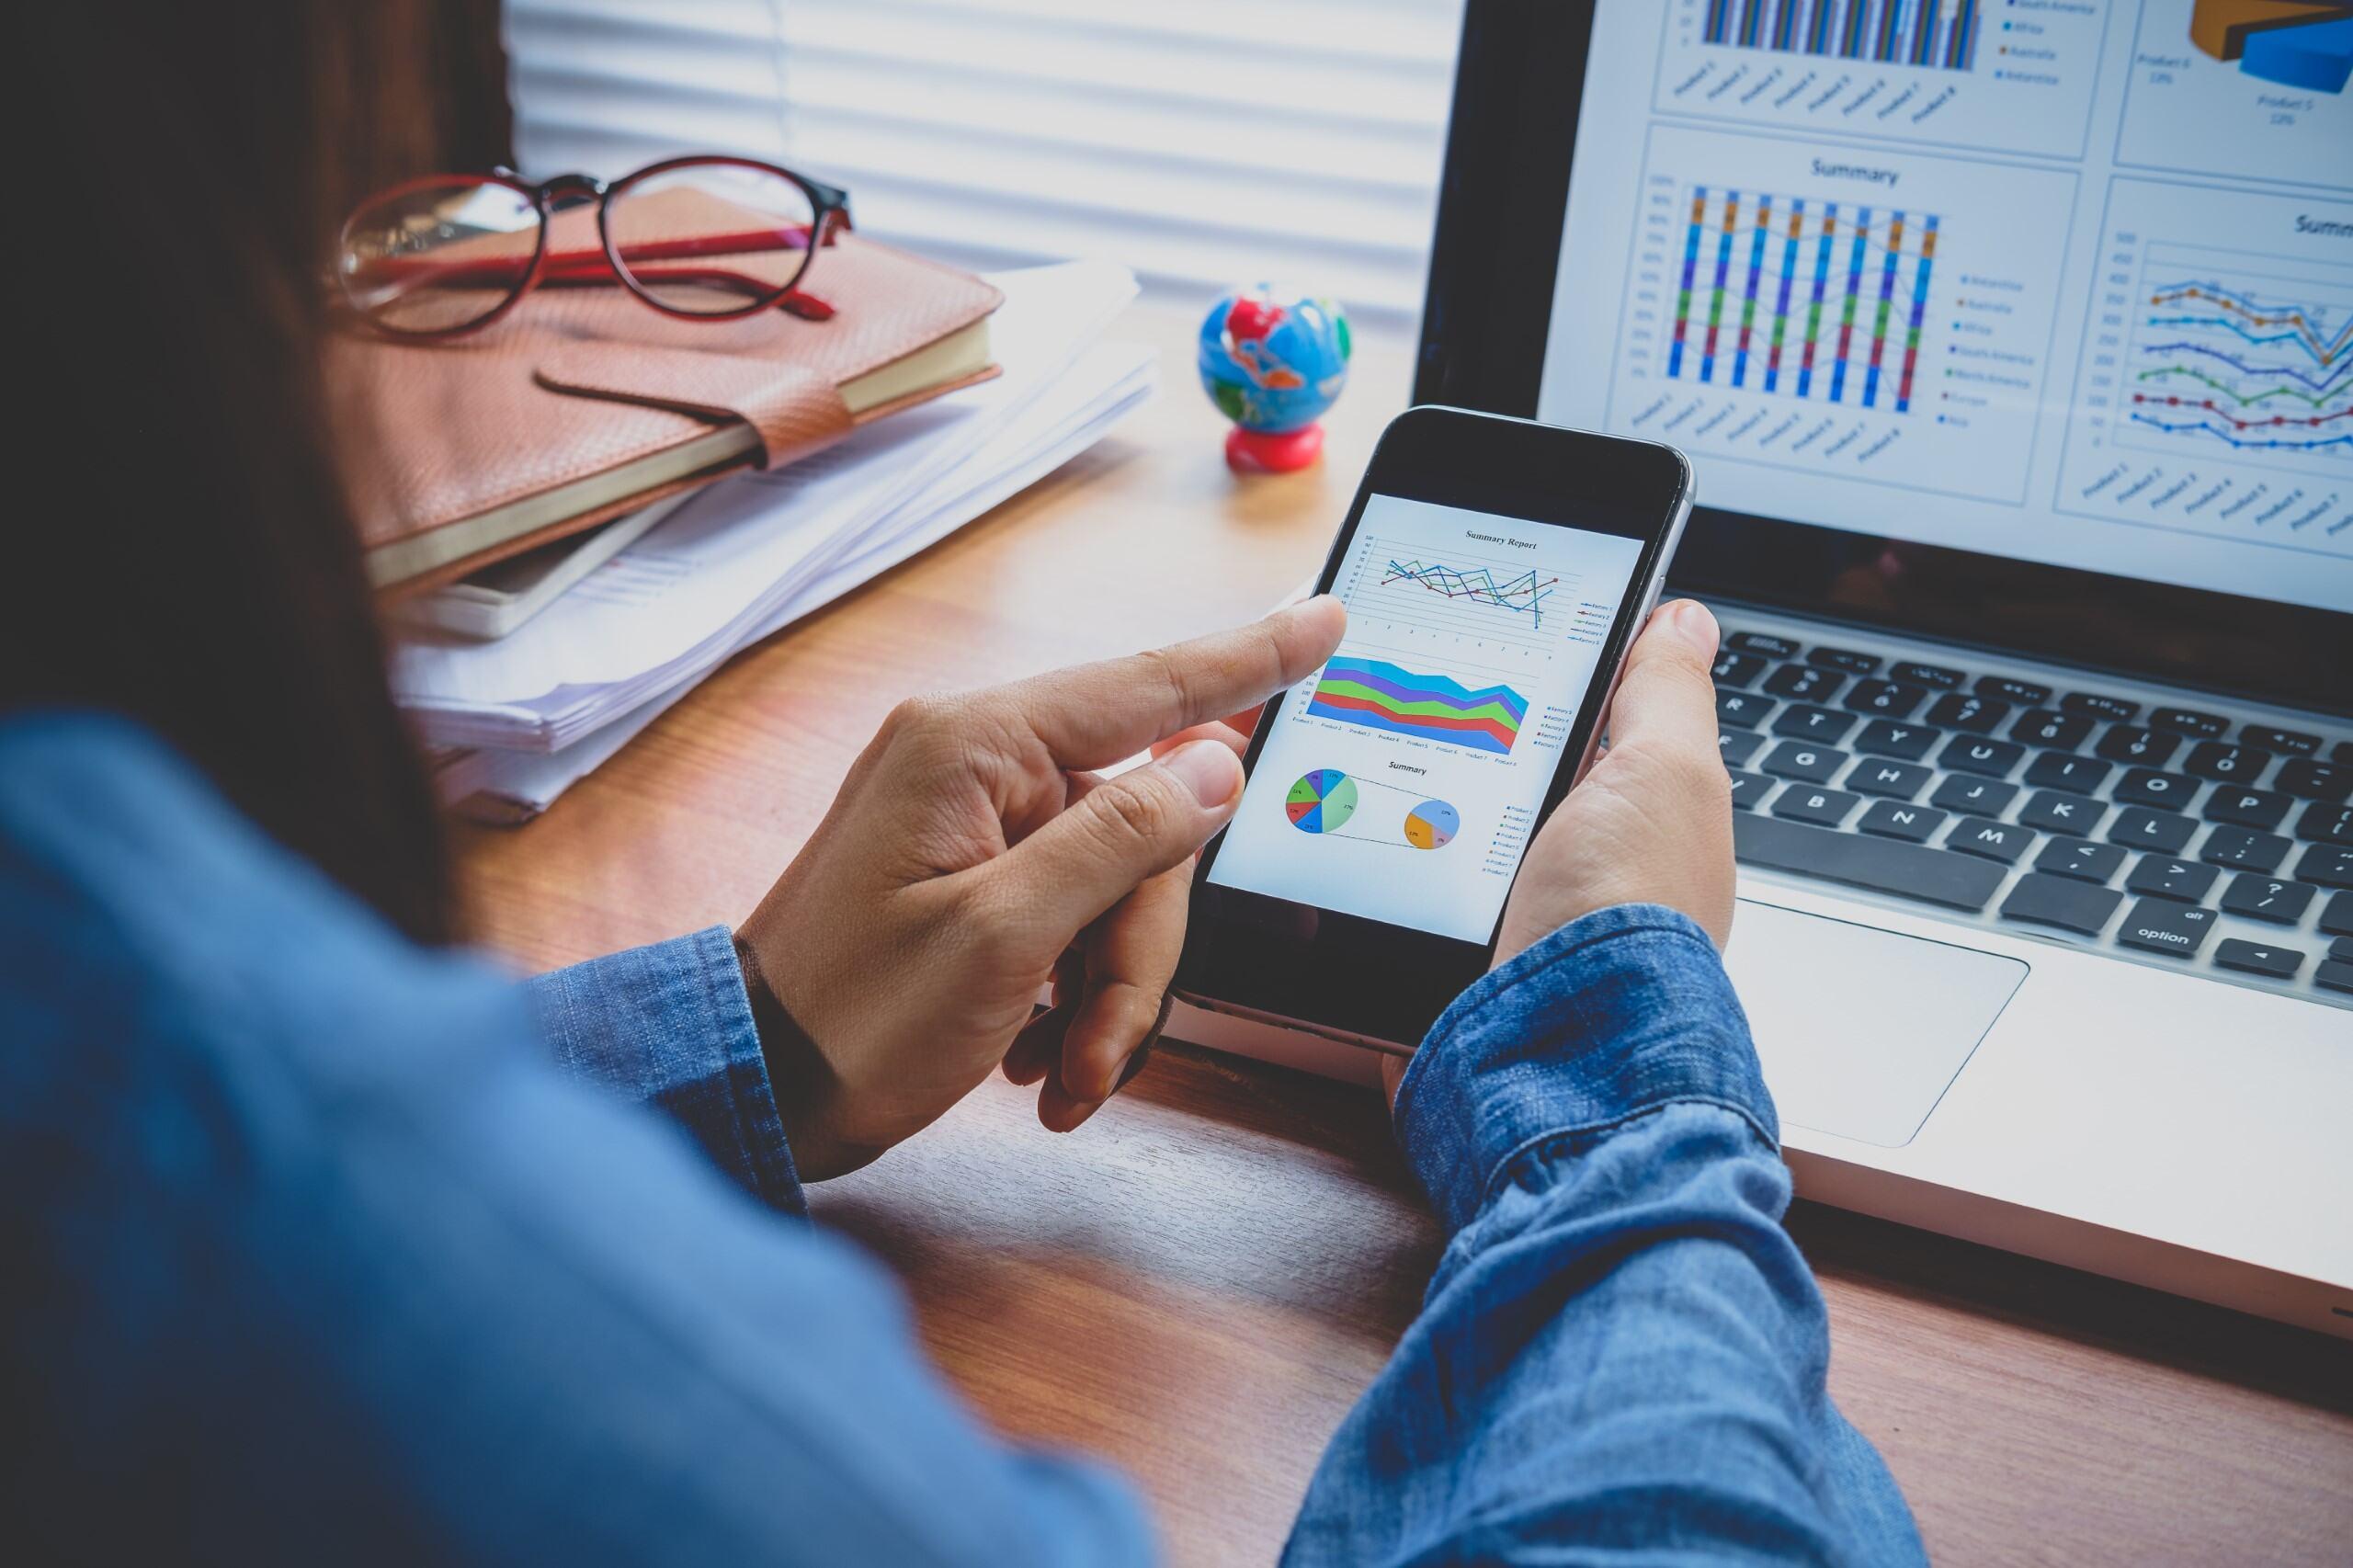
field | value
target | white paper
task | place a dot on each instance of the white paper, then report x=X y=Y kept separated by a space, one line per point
x=679 y=600
x=1110 y=382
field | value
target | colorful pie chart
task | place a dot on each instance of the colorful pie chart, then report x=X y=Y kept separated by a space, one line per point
x=1432 y=825
x=1322 y=800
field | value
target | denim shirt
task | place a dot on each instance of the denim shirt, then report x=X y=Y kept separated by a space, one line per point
x=323 y=1247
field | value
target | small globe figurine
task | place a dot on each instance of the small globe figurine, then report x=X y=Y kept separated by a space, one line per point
x=1273 y=363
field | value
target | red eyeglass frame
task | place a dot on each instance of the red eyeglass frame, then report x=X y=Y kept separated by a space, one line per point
x=829 y=219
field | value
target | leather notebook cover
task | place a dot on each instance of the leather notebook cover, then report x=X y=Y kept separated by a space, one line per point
x=585 y=403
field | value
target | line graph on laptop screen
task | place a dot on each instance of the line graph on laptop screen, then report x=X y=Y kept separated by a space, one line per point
x=2216 y=388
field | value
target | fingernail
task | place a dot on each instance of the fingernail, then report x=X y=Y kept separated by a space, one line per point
x=1207 y=768
x=1694 y=623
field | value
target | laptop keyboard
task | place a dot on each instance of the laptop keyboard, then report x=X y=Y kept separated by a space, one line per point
x=2173 y=833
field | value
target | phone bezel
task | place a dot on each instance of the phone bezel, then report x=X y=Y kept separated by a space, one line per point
x=1367 y=980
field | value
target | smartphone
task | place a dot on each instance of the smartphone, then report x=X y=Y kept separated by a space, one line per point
x=1496 y=571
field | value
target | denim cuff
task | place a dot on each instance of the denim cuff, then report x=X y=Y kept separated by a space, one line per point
x=1622 y=1011
x=670 y=1026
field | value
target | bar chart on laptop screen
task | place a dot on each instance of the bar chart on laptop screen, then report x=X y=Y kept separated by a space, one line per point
x=1874 y=315
x=1823 y=299
x=1973 y=73
x=2216 y=391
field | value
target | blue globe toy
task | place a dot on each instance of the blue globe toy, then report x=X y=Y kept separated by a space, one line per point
x=1273 y=366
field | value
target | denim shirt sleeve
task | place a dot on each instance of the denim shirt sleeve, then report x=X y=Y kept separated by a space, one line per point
x=1622 y=1353
x=669 y=1025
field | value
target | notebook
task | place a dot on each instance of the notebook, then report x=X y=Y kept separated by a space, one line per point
x=585 y=403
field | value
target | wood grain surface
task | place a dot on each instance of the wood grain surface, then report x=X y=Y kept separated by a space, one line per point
x=1197 y=1283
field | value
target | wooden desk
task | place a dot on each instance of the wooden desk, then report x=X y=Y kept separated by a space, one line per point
x=1198 y=1283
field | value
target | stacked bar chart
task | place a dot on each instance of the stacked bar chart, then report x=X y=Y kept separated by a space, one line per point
x=1820 y=300
x=1939 y=33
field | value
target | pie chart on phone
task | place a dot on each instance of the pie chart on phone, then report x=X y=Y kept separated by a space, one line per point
x=1432 y=825
x=1322 y=800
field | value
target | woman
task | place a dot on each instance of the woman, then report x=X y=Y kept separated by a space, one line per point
x=326 y=1242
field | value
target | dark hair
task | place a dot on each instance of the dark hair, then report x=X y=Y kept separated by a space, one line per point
x=193 y=564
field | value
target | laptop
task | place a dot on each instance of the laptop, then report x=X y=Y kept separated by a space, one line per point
x=2012 y=346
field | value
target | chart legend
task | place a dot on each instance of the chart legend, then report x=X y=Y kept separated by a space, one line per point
x=1821 y=299
x=1377 y=695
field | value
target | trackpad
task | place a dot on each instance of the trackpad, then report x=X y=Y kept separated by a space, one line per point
x=1860 y=1030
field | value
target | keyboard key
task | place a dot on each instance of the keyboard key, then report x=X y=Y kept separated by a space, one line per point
x=2296 y=742
x=1827 y=807
x=2342 y=754
x=1886 y=698
x=1993 y=759
x=1797 y=759
x=1737 y=746
x=1743 y=708
x=2000 y=841
x=1882 y=865
x=1804 y=683
x=2267 y=898
x=2075 y=775
x=1801 y=721
x=1763 y=642
x=2225 y=763
x=1982 y=797
x=2247 y=808
x=2054 y=812
x=1844 y=659
x=2144 y=829
x=2161 y=877
x=1892 y=780
x=2039 y=900
x=2337 y=916
x=2256 y=957
x=2004 y=688
x=2324 y=865
x=2341 y=950
x=2147 y=787
x=1906 y=743
x=2242 y=849
x=1736 y=669
x=2187 y=721
x=1747 y=789
x=1892 y=819
x=1936 y=676
x=2041 y=727
x=2115 y=710
x=2324 y=824
x=2309 y=780
x=2166 y=926
x=2334 y=976
x=2140 y=748
x=1959 y=710
x=2079 y=858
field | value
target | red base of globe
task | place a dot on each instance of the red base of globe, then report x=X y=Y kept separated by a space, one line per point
x=1258 y=451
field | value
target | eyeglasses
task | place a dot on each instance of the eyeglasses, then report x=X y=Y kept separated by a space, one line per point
x=703 y=238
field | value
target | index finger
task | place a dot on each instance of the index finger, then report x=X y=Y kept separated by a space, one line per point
x=1094 y=715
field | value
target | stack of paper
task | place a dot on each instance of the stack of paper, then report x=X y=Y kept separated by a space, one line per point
x=538 y=709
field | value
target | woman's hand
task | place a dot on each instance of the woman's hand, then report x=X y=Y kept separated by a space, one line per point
x=971 y=857
x=1651 y=823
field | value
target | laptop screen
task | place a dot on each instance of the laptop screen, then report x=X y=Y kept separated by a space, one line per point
x=2060 y=280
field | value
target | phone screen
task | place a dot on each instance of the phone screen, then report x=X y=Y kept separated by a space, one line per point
x=1402 y=781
